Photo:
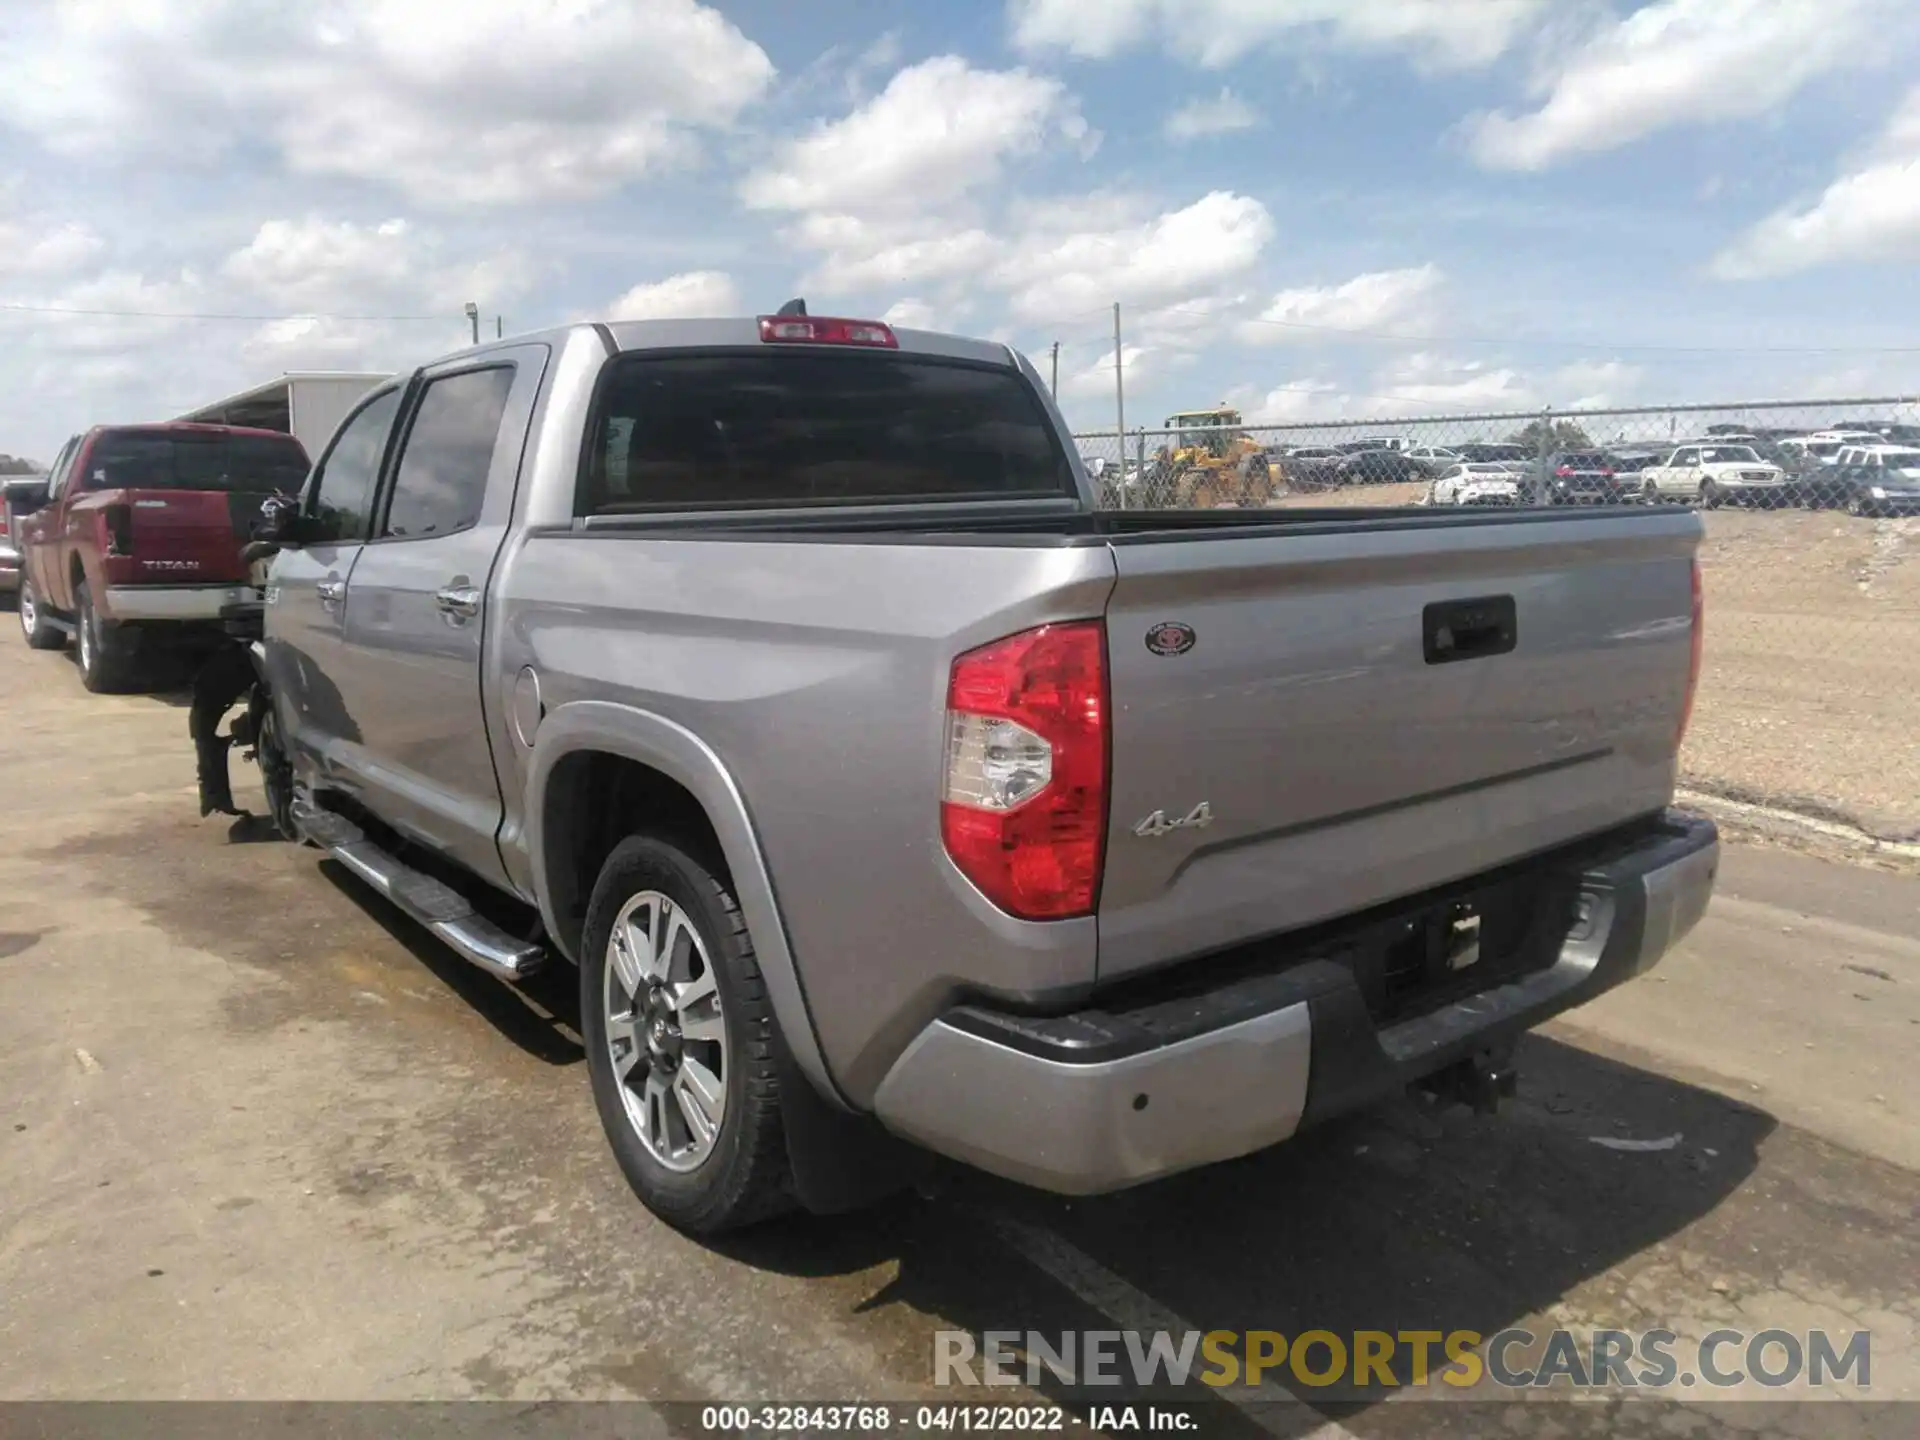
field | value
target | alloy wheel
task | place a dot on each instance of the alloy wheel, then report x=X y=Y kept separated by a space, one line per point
x=665 y=1032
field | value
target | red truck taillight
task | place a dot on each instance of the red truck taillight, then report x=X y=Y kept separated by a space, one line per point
x=1023 y=810
x=1693 y=662
x=118 y=520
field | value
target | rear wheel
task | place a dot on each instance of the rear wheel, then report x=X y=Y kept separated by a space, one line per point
x=1709 y=495
x=680 y=1041
x=105 y=652
x=41 y=635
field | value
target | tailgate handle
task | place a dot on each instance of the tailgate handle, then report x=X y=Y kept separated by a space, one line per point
x=1469 y=629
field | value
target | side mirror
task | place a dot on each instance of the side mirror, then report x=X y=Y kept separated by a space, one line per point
x=279 y=522
x=24 y=497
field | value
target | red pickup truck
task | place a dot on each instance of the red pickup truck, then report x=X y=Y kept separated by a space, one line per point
x=132 y=544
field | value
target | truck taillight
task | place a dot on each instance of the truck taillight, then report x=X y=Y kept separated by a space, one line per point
x=118 y=520
x=826 y=330
x=1023 y=811
x=1693 y=662
x=1564 y=471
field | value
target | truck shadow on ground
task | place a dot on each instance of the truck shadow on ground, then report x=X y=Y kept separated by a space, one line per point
x=541 y=1016
x=1397 y=1219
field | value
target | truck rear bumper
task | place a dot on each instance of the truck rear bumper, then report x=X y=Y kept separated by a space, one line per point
x=146 y=603
x=1108 y=1098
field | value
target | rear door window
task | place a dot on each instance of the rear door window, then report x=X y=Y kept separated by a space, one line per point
x=754 y=430
x=195 y=460
x=441 y=480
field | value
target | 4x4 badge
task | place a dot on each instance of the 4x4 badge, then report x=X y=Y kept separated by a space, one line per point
x=1157 y=824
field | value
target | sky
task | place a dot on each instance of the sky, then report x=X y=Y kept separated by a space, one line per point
x=1306 y=208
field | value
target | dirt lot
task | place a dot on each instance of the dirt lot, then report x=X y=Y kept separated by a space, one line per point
x=1812 y=673
x=259 y=1138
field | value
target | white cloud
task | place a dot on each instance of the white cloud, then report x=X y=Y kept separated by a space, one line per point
x=1217 y=32
x=1871 y=213
x=912 y=313
x=939 y=130
x=488 y=102
x=862 y=255
x=1176 y=257
x=1287 y=403
x=1394 y=301
x=1677 y=62
x=1428 y=383
x=29 y=249
x=1096 y=379
x=392 y=268
x=696 y=294
x=1221 y=115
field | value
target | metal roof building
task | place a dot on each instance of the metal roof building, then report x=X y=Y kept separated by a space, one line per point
x=305 y=404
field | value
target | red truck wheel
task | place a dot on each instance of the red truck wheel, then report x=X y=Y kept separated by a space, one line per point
x=105 y=653
x=33 y=621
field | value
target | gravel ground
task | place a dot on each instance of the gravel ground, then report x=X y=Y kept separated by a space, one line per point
x=1812 y=662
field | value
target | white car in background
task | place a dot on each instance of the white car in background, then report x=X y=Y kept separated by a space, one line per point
x=1825 y=445
x=1471 y=483
x=1714 y=474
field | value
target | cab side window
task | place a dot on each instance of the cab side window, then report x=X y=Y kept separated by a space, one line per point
x=440 y=481
x=340 y=495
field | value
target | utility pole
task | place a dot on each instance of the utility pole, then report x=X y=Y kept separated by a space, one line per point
x=473 y=319
x=499 y=328
x=1054 y=388
x=1120 y=404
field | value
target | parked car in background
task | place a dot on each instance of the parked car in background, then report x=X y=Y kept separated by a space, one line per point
x=1435 y=460
x=1632 y=462
x=1874 y=480
x=1714 y=475
x=1311 y=467
x=1475 y=484
x=1377 y=467
x=648 y=635
x=1824 y=446
x=9 y=548
x=132 y=545
x=1577 y=477
x=1480 y=453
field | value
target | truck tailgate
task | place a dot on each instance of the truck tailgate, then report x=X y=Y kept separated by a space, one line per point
x=1369 y=710
x=186 y=536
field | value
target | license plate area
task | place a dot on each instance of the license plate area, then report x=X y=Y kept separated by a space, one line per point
x=1419 y=959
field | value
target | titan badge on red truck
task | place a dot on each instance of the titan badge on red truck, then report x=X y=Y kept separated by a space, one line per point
x=132 y=545
x=779 y=674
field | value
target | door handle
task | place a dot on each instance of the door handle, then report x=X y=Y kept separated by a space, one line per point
x=331 y=592
x=458 y=599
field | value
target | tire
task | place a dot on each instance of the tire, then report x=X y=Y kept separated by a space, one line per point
x=33 y=620
x=276 y=770
x=106 y=659
x=1710 y=496
x=738 y=1174
x=1856 y=507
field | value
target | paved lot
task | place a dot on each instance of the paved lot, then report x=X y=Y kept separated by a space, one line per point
x=258 y=1138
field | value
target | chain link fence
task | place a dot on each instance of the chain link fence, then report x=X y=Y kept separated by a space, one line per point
x=1811 y=561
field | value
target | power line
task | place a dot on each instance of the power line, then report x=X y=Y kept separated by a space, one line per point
x=219 y=315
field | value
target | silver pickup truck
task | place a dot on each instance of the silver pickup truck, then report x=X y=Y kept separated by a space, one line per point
x=780 y=675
